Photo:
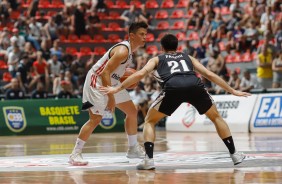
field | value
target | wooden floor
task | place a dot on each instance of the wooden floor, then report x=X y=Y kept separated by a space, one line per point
x=179 y=158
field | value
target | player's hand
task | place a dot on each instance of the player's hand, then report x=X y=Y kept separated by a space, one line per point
x=111 y=104
x=241 y=93
x=108 y=90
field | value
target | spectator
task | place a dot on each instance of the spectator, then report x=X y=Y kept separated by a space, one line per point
x=19 y=38
x=129 y=16
x=93 y=23
x=54 y=67
x=30 y=52
x=201 y=50
x=221 y=3
x=4 y=39
x=264 y=69
x=40 y=71
x=100 y=6
x=278 y=38
x=189 y=49
x=39 y=92
x=217 y=63
x=146 y=16
x=51 y=29
x=78 y=21
x=13 y=60
x=23 y=72
x=56 y=50
x=35 y=29
x=252 y=36
x=5 y=10
x=277 y=71
x=234 y=80
x=45 y=50
x=14 y=92
x=57 y=88
x=32 y=8
x=196 y=20
x=266 y=18
x=65 y=93
x=248 y=82
x=232 y=21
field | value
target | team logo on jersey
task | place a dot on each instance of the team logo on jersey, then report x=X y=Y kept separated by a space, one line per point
x=15 y=118
x=189 y=116
x=108 y=121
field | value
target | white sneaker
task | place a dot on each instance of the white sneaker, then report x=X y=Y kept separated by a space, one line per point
x=76 y=159
x=237 y=157
x=135 y=152
x=146 y=164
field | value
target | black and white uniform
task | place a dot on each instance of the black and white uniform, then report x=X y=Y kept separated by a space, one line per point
x=175 y=74
x=94 y=99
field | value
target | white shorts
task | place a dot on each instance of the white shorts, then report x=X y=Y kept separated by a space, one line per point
x=94 y=99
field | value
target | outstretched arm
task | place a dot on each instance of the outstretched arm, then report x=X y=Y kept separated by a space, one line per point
x=134 y=78
x=216 y=79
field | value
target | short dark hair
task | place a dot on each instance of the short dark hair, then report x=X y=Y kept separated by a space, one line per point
x=169 y=42
x=136 y=25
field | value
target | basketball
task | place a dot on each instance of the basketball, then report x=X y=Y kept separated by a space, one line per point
x=127 y=73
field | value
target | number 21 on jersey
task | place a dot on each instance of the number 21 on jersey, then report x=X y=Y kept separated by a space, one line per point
x=180 y=66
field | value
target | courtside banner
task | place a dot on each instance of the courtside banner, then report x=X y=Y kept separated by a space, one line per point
x=236 y=111
x=29 y=117
x=267 y=116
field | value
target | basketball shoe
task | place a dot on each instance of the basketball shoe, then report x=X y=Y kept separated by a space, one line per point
x=146 y=164
x=76 y=159
x=237 y=157
x=135 y=151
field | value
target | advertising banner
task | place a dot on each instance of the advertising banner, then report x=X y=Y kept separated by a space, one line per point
x=267 y=116
x=26 y=117
x=236 y=111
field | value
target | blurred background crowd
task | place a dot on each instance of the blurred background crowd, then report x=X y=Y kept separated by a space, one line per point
x=47 y=46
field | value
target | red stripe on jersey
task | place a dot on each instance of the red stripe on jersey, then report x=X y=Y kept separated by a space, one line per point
x=100 y=69
x=93 y=81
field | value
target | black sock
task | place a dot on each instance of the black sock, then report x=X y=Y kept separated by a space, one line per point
x=230 y=144
x=149 y=148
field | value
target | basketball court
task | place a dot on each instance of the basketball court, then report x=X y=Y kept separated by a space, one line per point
x=179 y=158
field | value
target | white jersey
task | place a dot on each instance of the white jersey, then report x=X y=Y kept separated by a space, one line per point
x=93 y=98
x=119 y=71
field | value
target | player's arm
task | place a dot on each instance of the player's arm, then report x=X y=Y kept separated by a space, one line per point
x=119 y=55
x=134 y=78
x=215 y=78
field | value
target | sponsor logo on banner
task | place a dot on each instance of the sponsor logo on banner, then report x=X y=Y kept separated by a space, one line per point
x=269 y=112
x=15 y=118
x=108 y=121
x=189 y=116
x=224 y=106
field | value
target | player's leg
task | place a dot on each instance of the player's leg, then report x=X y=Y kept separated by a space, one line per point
x=134 y=150
x=224 y=133
x=152 y=118
x=85 y=132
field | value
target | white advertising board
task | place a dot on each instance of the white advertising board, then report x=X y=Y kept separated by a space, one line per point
x=236 y=111
x=267 y=116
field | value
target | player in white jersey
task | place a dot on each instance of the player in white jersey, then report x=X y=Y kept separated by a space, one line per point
x=107 y=72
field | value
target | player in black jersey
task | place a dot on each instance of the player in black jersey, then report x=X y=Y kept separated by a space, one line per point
x=175 y=72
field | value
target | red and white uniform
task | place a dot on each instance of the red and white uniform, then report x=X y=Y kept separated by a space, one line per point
x=94 y=99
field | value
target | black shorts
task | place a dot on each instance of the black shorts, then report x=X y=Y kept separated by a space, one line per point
x=169 y=100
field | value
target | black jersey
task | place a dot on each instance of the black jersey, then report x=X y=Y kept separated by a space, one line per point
x=175 y=65
x=175 y=73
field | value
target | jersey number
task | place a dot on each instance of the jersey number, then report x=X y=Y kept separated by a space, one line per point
x=175 y=67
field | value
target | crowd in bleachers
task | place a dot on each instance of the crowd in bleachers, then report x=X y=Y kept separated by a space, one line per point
x=47 y=46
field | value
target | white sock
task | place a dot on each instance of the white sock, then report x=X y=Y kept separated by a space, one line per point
x=78 y=145
x=132 y=140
